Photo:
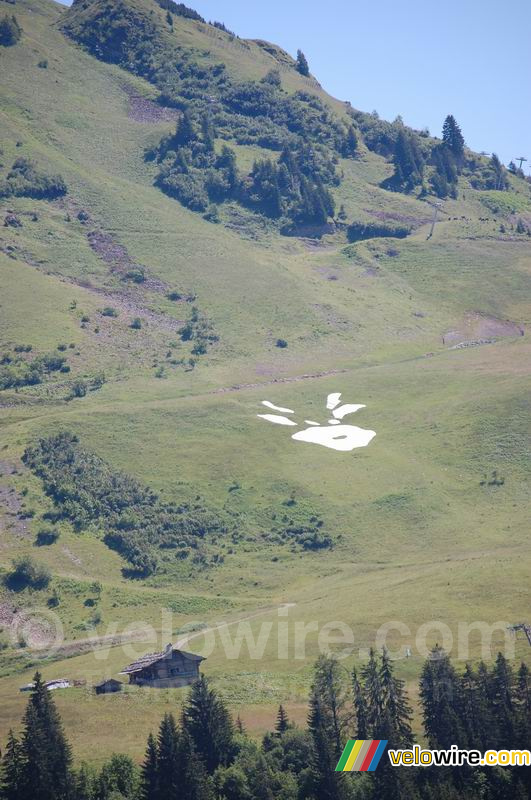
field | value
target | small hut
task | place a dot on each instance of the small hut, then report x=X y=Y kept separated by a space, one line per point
x=108 y=686
x=171 y=668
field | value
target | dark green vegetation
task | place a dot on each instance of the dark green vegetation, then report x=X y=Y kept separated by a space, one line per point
x=86 y=492
x=153 y=332
x=209 y=756
x=25 y=180
x=10 y=30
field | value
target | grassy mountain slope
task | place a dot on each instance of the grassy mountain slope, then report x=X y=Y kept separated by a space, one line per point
x=377 y=320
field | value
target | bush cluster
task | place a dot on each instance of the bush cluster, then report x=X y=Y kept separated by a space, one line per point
x=88 y=492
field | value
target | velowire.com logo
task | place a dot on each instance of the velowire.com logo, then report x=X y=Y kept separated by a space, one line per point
x=361 y=755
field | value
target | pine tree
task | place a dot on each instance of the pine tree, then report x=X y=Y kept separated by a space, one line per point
x=407 y=160
x=326 y=782
x=207 y=130
x=150 y=771
x=240 y=727
x=185 y=131
x=503 y=709
x=397 y=710
x=282 y=723
x=46 y=754
x=360 y=707
x=453 y=138
x=373 y=694
x=329 y=689
x=439 y=693
x=209 y=724
x=12 y=770
x=302 y=64
x=192 y=782
x=351 y=142
x=167 y=757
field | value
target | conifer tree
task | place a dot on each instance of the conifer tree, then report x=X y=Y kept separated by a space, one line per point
x=149 y=781
x=207 y=130
x=192 y=782
x=440 y=697
x=46 y=772
x=240 y=727
x=397 y=710
x=167 y=757
x=326 y=782
x=334 y=710
x=407 y=160
x=360 y=707
x=209 y=724
x=12 y=770
x=373 y=694
x=502 y=682
x=453 y=138
x=282 y=723
x=302 y=64
x=185 y=131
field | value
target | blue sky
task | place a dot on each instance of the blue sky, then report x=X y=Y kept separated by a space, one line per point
x=470 y=58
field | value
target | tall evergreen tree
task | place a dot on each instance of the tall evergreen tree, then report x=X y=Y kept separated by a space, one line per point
x=327 y=784
x=334 y=707
x=150 y=775
x=46 y=772
x=192 y=782
x=453 y=138
x=282 y=723
x=209 y=724
x=373 y=694
x=360 y=707
x=302 y=64
x=12 y=770
x=440 y=697
x=504 y=714
x=398 y=712
x=207 y=130
x=167 y=758
x=185 y=131
x=408 y=161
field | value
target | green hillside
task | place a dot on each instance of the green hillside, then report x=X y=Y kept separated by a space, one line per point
x=151 y=325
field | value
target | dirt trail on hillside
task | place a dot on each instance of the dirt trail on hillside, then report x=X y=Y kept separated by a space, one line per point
x=238 y=387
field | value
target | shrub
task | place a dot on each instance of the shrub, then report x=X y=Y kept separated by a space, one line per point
x=46 y=537
x=109 y=311
x=79 y=389
x=27 y=574
x=136 y=274
x=370 y=230
x=43 y=64
x=136 y=324
x=24 y=180
x=86 y=491
x=10 y=31
x=282 y=343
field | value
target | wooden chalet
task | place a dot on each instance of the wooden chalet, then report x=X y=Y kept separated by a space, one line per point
x=171 y=668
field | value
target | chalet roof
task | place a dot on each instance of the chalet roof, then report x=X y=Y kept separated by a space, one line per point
x=152 y=658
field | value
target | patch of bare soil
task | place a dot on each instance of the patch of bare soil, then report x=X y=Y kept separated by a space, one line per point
x=115 y=255
x=11 y=509
x=147 y=111
x=480 y=329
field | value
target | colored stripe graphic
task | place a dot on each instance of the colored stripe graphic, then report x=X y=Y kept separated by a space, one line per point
x=361 y=755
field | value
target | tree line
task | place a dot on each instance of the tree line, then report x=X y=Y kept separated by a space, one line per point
x=204 y=754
